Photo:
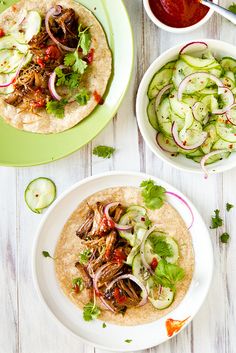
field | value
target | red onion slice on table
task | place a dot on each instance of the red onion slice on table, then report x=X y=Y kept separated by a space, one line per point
x=117 y=225
x=175 y=134
x=192 y=47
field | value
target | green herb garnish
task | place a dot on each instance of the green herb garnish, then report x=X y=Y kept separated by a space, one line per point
x=216 y=221
x=103 y=151
x=167 y=275
x=104 y=325
x=82 y=97
x=46 y=254
x=84 y=256
x=160 y=246
x=224 y=238
x=57 y=108
x=148 y=223
x=128 y=341
x=2 y=2
x=84 y=39
x=78 y=65
x=229 y=206
x=71 y=79
x=78 y=282
x=91 y=311
x=232 y=8
x=153 y=195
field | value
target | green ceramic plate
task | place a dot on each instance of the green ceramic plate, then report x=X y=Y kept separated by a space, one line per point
x=18 y=148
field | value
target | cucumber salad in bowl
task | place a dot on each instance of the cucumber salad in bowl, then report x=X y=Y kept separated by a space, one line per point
x=192 y=105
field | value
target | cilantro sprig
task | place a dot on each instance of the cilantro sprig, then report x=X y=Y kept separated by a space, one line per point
x=91 y=311
x=229 y=206
x=153 y=195
x=160 y=246
x=71 y=79
x=83 y=96
x=232 y=7
x=103 y=151
x=167 y=274
x=57 y=108
x=224 y=238
x=216 y=220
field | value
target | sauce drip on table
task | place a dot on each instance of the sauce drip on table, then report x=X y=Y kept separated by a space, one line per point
x=178 y=13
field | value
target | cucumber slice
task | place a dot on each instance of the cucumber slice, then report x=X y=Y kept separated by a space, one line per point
x=163 y=117
x=170 y=65
x=227 y=132
x=160 y=80
x=212 y=137
x=190 y=99
x=201 y=112
x=228 y=64
x=132 y=254
x=9 y=60
x=181 y=70
x=130 y=237
x=228 y=82
x=9 y=42
x=209 y=90
x=32 y=25
x=39 y=194
x=213 y=159
x=138 y=270
x=151 y=113
x=210 y=102
x=165 y=299
x=181 y=109
x=150 y=254
x=224 y=145
x=196 y=153
x=197 y=62
x=166 y=143
x=191 y=136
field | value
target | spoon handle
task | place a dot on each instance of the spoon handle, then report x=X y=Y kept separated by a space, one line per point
x=220 y=10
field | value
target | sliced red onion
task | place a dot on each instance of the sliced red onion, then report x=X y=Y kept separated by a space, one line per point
x=229 y=97
x=205 y=158
x=16 y=75
x=118 y=226
x=55 y=11
x=185 y=203
x=135 y=280
x=52 y=84
x=175 y=134
x=142 y=248
x=193 y=46
x=231 y=119
x=160 y=94
x=190 y=77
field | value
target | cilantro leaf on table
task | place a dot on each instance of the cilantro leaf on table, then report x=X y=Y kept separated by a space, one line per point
x=46 y=254
x=103 y=151
x=160 y=246
x=232 y=7
x=216 y=220
x=153 y=195
x=82 y=97
x=57 y=108
x=104 y=325
x=229 y=206
x=224 y=238
x=167 y=275
x=128 y=340
x=84 y=39
x=90 y=311
x=84 y=256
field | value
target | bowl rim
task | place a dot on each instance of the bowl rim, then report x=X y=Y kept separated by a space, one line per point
x=176 y=30
x=140 y=118
x=50 y=210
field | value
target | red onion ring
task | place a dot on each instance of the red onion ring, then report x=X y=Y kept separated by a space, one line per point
x=194 y=45
x=188 y=78
x=184 y=202
x=135 y=280
x=16 y=75
x=160 y=94
x=118 y=226
x=229 y=117
x=175 y=134
x=52 y=84
x=229 y=94
x=205 y=158
x=55 y=11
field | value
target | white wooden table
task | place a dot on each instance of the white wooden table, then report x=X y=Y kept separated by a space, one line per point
x=25 y=326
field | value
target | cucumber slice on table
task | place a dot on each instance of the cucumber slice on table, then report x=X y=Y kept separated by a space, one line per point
x=39 y=194
x=165 y=299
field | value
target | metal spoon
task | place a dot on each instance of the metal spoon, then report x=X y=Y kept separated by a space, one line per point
x=220 y=10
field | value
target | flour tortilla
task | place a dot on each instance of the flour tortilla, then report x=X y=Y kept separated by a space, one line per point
x=69 y=246
x=96 y=77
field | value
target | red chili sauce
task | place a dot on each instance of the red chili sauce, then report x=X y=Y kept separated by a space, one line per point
x=178 y=13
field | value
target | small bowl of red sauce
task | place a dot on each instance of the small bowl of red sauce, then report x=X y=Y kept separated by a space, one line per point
x=178 y=16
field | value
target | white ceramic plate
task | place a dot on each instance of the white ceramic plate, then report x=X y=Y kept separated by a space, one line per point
x=113 y=337
x=220 y=49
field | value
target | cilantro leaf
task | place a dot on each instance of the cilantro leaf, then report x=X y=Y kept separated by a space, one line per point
x=84 y=39
x=77 y=64
x=82 y=97
x=84 y=256
x=104 y=325
x=232 y=8
x=229 y=206
x=71 y=79
x=69 y=59
x=103 y=151
x=78 y=282
x=90 y=311
x=46 y=254
x=160 y=246
x=224 y=238
x=153 y=195
x=57 y=108
x=128 y=341
x=168 y=274
x=216 y=221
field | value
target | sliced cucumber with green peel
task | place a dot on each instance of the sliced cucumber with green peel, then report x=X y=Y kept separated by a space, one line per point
x=224 y=145
x=198 y=62
x=32 y=25
x=139 y=210
x=138 y=270
x=163 y=117
x=135 y=251
x=9 y=42
x=10 y=59
x=166 y=143
x=39 y=194
x=165 y=299
x=226 y=131
x=228 y=64
x=151 y=112
x=160 y=80
x=212 y=137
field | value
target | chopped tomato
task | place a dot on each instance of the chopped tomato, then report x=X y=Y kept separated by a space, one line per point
x=2 y=33
x=119 y=255
x=41 y=63
x=106 y=224
x=53 y=52
x=118 y=296
x=154 y=264
x=90 y=56
x=98 y=98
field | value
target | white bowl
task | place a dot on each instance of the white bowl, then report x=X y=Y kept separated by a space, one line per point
x=174 y=29
x=220 y=49
x=69 y=316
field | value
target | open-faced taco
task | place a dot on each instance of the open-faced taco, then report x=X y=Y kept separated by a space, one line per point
x=55 y=64
x=123 y=262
